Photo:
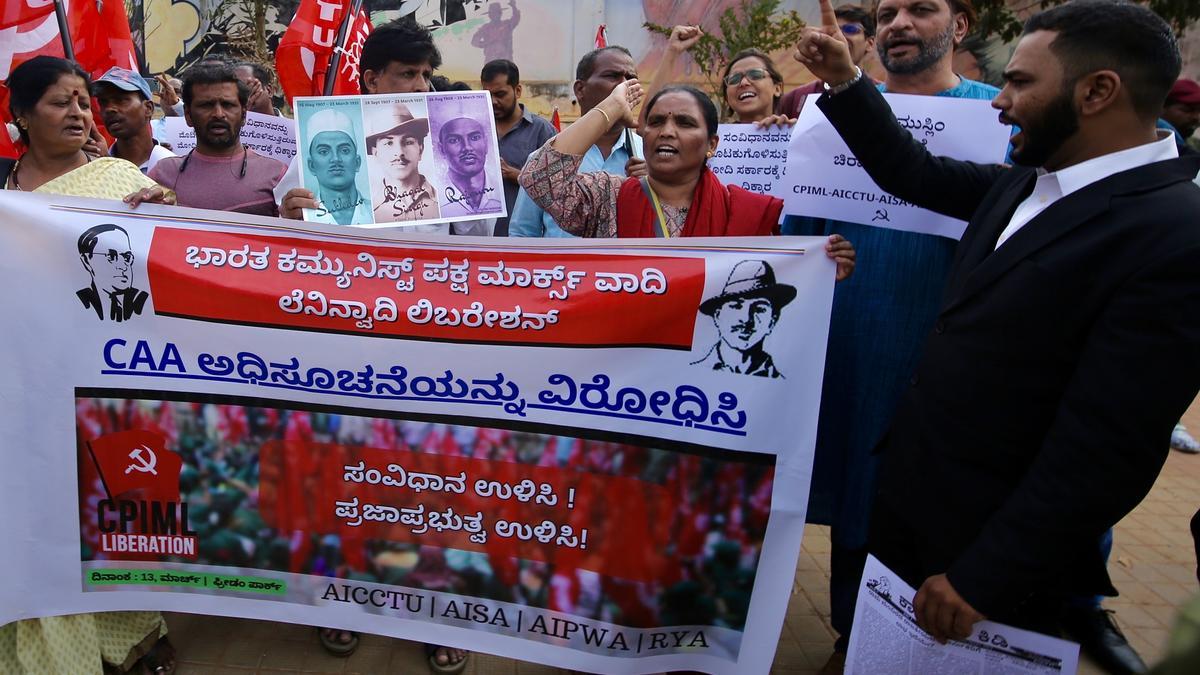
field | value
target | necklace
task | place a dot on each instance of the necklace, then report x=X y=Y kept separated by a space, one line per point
x=17 y=167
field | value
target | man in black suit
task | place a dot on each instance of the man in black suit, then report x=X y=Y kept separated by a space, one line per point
x=1068 y=341
x=105 y=253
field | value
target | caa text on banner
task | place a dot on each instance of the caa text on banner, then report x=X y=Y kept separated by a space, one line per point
x=595 y=456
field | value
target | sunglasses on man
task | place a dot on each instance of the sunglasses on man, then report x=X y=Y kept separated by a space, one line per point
x=852 y=29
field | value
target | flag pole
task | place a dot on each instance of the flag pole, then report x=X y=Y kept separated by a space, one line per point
x=63 y=31
x=139 y=43
x=335 y=64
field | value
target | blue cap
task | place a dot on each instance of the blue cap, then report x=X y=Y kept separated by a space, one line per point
x=126 y=80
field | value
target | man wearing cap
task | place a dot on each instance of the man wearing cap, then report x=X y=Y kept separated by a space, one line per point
x=396 y=142
x=463 y=142
x=745 y=314
x=1181 y=112
x=334 y=160
x=126 y=108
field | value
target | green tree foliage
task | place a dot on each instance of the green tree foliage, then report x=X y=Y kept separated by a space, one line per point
x=754 y=23
x=996 y=16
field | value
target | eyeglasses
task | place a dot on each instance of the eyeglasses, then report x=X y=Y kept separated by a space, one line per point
x=112 y=256
x=755 y=74
x=852 y=29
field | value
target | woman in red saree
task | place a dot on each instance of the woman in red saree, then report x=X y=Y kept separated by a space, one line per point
x=680 y=197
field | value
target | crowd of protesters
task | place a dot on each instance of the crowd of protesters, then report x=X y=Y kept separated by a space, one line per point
x=1104 y=130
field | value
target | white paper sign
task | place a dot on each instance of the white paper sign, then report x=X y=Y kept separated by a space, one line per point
x=826 y=181
x=268 y=135
x=751 y=158
x=887 y=639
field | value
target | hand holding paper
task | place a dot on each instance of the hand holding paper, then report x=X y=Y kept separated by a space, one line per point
x=942 y=612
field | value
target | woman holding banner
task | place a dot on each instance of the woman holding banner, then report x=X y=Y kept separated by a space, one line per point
x=680 y=197
x=50 y=102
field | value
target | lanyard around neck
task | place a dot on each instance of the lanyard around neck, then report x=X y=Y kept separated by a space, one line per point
x=660 y=219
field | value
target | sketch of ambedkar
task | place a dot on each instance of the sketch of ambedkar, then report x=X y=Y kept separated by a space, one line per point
x=745 y=313
x=105 y=253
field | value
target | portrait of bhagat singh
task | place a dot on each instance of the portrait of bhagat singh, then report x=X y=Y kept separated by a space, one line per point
x=745 y=313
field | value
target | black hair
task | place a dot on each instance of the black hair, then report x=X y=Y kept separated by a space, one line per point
x=260 y=72
x=1114 y=35
x=587 y=65
x=402 y=40
x=216 y=59
x=458 y=85
x=706 y=105
x=213 y=75
x=87 y=240
x=491 y=69
x=856 y=14
x=28 y=82
x=767 y=63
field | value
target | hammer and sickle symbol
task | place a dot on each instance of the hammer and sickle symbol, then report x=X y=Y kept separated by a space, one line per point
x=144 y=464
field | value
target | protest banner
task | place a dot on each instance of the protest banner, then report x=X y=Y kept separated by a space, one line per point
x=886 y=638
x=595 y=456
x=825 y=180
x=268 y=135
x=400 y=159
x=751 y=158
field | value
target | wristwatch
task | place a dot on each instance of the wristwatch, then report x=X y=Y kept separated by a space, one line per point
x=839 y=88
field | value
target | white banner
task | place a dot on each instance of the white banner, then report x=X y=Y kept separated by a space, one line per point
x=825 y=180
x=753 y=159
x=886 y=638
x=268 y=135
x=437 y=438
x=393 y=159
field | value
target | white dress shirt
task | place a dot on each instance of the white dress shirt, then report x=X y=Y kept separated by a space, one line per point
x=1053 y=186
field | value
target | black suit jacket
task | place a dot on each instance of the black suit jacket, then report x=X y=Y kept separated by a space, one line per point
x=1041 y=410
x=131 y=301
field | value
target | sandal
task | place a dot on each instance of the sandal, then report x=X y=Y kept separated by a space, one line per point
x=331 y=643
x=160 y=660
x=448 y=668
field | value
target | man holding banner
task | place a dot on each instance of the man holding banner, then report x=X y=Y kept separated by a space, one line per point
x=1069 y=328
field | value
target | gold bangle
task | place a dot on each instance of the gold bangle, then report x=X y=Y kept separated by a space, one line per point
x=606 y=117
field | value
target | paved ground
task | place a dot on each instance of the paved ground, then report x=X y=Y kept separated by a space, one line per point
x=1153 y=565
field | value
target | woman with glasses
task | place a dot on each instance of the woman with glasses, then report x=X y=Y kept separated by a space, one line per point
x=751 y=88
x=751 y=85
x=680 y=196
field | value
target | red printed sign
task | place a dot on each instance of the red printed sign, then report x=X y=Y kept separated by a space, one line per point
x=392 y=291
x=615 y=525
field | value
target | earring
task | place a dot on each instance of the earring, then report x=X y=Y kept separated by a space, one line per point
x=709 y=154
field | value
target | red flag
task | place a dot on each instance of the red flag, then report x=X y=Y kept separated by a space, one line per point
x=18 y=12
x=99 y=34
x=601 y=37
x=137 y=460
x=306 y=49
x=555 y=120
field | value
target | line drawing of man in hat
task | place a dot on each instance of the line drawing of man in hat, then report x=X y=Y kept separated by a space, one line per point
x=745 y=313
x=108 y=257
x=396 y=143
x=334 y=160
